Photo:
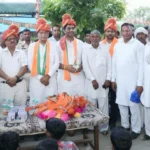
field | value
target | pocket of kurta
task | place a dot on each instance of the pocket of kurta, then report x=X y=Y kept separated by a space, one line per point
x=101 y=61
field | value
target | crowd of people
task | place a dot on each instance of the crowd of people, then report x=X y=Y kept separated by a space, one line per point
x=109 y=72
x=120 y=138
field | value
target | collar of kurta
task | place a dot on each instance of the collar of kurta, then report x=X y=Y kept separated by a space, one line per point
x=130 y=41
x=95 y=48
x=6 y=49
x=148 y=43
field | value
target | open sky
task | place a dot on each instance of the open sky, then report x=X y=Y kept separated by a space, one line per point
x=21 y=1
x=137 y=3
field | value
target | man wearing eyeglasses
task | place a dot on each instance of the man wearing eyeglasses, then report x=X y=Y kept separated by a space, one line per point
x=70 y=74
x=13 y=65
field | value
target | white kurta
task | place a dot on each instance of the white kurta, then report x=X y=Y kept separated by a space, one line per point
x=52 y=39
x=127 y=69
x=146 y=93
x=76 y=84
x=11 y=65
x=97 y=66
x=38 y=91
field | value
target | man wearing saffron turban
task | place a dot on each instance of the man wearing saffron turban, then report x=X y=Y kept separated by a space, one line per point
x=13 y=66
x=42 y=62
x=70 y=74
x=108 y=43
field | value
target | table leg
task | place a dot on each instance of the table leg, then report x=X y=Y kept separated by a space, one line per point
x=96 y=138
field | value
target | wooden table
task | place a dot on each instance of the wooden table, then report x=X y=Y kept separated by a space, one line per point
x=90 y=117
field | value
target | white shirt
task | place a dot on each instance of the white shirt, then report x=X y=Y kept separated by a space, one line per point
x=97 y=66
x=52 y=39
x=11 y=64
x=146 y=93
x=127 y=69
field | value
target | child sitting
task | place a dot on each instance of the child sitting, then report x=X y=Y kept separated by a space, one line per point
x=9 y=141
x=47 y=144
x=56 y=129
x=120 y=139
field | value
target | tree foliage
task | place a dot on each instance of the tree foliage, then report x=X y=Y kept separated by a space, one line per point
x=89 y=14
x=141 y=13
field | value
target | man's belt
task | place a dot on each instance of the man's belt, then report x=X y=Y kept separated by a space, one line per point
x=5 y=82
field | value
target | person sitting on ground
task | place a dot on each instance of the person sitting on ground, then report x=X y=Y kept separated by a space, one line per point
x=47 y=144
x=121 y=139
x=56 y=129
x=9 y=141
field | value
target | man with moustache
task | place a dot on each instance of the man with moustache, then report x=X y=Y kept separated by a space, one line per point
x=13 y=66
x=43 y=62
x=70 y=74
x=127 y=77
x=141 y=34
x=108 y=43
x=97 y=68
x=24 y=45
x=27 y=41
x=55 y=34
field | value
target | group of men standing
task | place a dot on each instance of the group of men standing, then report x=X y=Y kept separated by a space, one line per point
x=71 y=66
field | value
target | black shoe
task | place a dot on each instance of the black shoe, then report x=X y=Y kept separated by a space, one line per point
x=146 y=137
x=134 y=135
x=128 y=129
x=112 y=125
x=104 y=132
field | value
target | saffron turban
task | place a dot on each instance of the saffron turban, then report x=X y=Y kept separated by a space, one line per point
x=67 y=20
x=111 y=23
x=139 y=30
x=12 y=30
x=42 y=24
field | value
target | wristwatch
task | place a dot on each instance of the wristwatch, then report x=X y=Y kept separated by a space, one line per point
x=18 y=78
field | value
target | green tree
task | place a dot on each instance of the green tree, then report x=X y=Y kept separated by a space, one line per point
x=89 y=14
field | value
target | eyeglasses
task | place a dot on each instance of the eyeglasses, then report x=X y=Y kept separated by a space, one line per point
x=11 y=39
x=70 y=28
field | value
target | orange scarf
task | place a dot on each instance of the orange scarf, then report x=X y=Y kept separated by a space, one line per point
x=34 y=70
x=65 y=56
x=111 y=50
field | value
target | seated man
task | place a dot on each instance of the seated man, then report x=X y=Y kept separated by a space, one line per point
x=9 y=141
x=121 y=139
x=13 y=66
x=56 y=129
x=47 y=144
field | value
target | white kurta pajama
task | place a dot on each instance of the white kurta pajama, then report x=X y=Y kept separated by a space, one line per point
x=76 y=84
x=127 y=72
x=38 y=91
x=11 y=65
x=146 y=93
x=97 y=66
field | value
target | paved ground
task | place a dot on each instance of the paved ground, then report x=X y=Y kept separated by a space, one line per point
x=105 y=144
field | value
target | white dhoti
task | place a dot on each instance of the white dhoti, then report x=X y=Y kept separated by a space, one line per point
x=13 y=96
x=147 y=120
x=26 y=77
x=40 y=92
x=135 y=117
